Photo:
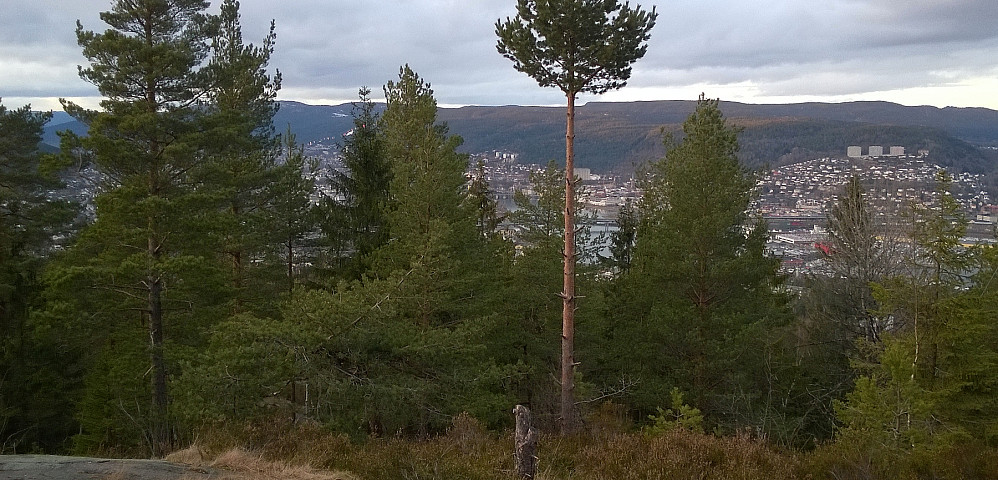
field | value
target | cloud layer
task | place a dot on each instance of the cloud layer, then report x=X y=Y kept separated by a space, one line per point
x=937 y=52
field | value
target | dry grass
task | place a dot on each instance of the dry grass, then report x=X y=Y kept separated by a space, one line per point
x=611 y=451
x=468 y=451
x=239 y=464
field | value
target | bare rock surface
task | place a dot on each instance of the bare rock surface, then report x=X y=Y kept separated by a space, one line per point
x=49 y=467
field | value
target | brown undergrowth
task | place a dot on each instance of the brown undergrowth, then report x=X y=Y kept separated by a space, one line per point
x=239 y=464
x=468 y=451
x=607 y=450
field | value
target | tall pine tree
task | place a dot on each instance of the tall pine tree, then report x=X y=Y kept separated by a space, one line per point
x=143 y=281
x=578 y=46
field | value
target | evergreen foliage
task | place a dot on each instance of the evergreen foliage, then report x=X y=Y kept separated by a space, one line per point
x=577 y=46
x=932 y=386
x=294 y=217
x=355 y=221
x=481 y=197
x=239 y=161
x=151 y=256
x=700 y=307
x=210 y=292
x=622 y=240
x=402 y=349
x=33 y=225
x=839 y=325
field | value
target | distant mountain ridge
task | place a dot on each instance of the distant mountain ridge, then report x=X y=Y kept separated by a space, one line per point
x=622 y=135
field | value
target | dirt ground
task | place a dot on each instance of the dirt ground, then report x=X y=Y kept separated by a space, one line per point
x=48 y=467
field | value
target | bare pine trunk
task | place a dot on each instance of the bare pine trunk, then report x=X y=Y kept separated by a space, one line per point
x=160 y=426
x=154 y=282
x=568 y=295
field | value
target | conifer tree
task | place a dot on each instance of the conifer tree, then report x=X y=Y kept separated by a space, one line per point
x=428 y=218
x=482 y=198
x=934 y=380
x=355 y=220
x=622 y=240
x=578 y=46
x=148 y=260
x=294 y=215
x=240 y=161
x=403 y=344
x=32 y=226
x=701 y=298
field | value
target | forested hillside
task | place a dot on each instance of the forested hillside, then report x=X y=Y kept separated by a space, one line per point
x=620 y=136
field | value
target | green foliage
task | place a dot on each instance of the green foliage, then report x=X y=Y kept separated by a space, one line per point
x=372 y=369
x=576 y=45
x=294 y=219
x=355 y=226
x=401 y=350
x=240 y=173
x=114 y=411
x=932 y=387
x=188 y=304
x=622 y=240
x=428 y=218
x=248 y=371
x=680 y=415
x=33 y=225
x=839 y=326
x=542 y=219
x=481 y=197
x=527 y=336
x=184 y=160
x=700 y=307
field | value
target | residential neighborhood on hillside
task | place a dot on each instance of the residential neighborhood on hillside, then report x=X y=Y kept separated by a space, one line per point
x=792 y=198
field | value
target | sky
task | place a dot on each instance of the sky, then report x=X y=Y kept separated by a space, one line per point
x=912 y=52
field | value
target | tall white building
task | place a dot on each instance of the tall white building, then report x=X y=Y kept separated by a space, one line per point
x=897 y=151
x=854 y=151
x=876 y=151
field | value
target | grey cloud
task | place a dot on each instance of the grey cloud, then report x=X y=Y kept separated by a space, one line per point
x=329 y=48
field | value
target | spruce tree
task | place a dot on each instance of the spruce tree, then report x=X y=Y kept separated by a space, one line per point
x=483 y=199
x=428 y=218
x=293 y=218
x=578 y=46
x=354 y=221
x=622 y=240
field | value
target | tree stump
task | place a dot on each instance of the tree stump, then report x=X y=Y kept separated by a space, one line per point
x=524 y=444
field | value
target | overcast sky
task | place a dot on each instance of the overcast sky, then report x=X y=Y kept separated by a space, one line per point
x=913 y=52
